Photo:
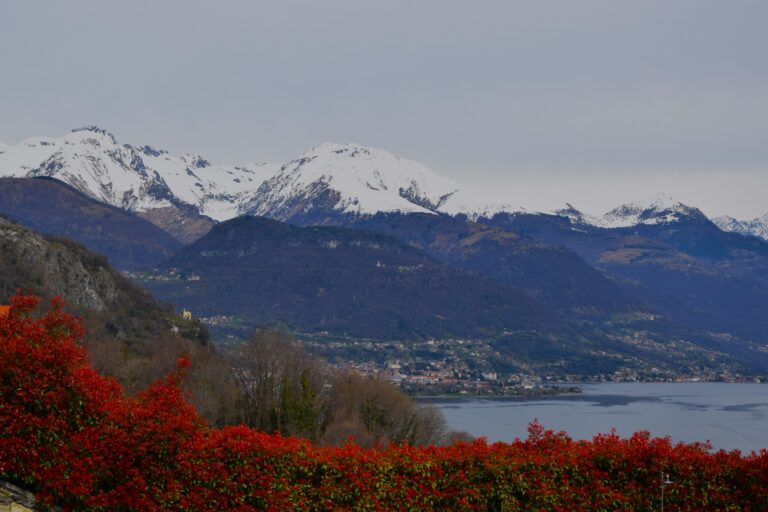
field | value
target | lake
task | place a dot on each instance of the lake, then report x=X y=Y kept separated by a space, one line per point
x=731 y=416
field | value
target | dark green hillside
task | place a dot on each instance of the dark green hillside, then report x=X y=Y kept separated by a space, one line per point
x=52 y=207
x=347 y=282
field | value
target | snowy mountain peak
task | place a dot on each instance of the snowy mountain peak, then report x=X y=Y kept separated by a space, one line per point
x=666 y=203
x=93 y=129
x=350 y=166
x=136 y=178
x=350 y=150
x=663 y=210
x=328 y=179
x=351 y=179
x=757 y=227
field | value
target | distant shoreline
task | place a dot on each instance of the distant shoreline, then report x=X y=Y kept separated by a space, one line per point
x=569 y=391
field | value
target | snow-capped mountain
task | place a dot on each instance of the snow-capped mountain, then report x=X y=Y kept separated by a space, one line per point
x=351 y=179
x=327 y=180
x=663 y=210
x=756 y=227
x=135 y=178
x=342 y=178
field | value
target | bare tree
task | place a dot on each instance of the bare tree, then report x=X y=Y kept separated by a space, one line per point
x=375 y=411
x=430 y=426
x=281 y=384
x=213 y=389
x=286 y=390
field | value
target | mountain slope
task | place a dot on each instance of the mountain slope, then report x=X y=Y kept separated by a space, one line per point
x=691 y=272
x=51 y=207
x=698 y=236
x=554 y=275
x=346 y=282
x=182 y=222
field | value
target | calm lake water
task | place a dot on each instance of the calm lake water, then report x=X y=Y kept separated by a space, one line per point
x=731 y=416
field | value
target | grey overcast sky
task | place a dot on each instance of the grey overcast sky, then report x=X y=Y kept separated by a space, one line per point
x=595 y=102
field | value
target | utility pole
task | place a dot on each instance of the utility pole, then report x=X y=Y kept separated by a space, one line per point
x=665 y=481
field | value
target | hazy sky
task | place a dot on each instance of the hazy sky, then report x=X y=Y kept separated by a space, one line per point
x=594 y=102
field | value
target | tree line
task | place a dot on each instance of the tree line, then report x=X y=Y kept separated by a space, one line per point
x=287 y=390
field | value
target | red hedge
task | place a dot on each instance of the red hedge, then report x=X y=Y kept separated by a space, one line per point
x=73 y=437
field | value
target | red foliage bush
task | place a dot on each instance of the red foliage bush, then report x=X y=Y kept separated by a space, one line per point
x=75 y=439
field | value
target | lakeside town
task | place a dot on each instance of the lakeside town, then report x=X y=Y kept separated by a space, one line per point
x=465 y=367
x=471 y=368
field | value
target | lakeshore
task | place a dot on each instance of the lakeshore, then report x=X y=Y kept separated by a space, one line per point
x=729 y=415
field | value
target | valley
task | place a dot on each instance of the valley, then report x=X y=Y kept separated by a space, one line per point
x=383 y=256
x=373 y=260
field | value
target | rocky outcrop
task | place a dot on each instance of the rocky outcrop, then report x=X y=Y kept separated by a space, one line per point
x=113 y=306
x=53 y=266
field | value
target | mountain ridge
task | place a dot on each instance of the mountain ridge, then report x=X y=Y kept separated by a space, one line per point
x=329 y=179
x=135 y=178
